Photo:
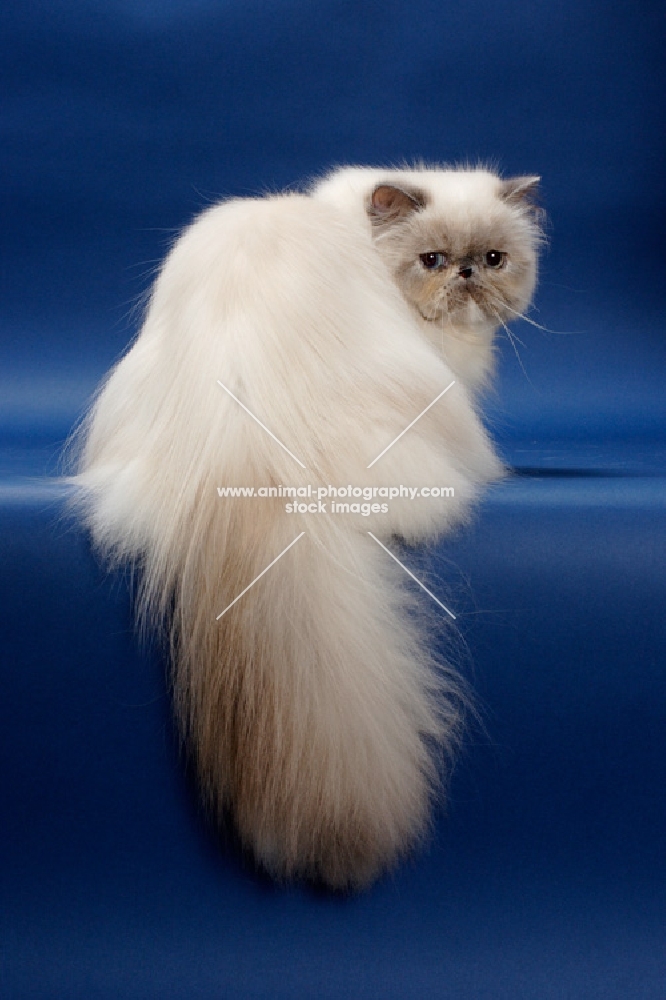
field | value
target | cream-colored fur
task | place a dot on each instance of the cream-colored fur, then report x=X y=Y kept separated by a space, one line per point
x=312 y=708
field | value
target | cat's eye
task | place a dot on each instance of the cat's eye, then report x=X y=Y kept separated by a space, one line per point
x=433 y=261
x=495 y=258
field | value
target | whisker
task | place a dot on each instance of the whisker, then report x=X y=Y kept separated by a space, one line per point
x=532 y=322
x=498 y=303
x=518 y=340
x=511 y=340
x=528 y=319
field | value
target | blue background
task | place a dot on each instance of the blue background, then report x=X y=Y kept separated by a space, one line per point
x=547 y=877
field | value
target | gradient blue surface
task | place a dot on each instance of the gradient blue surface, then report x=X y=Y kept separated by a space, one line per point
x=547 y=875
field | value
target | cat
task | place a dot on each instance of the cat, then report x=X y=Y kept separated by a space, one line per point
x=332 y=337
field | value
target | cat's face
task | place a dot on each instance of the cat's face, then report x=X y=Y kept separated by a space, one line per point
x=465 y=256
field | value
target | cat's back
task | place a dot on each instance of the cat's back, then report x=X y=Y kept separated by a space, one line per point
x=280 y=262
x=259 y=236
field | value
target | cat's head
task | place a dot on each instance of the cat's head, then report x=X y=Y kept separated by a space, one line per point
x=461 y=244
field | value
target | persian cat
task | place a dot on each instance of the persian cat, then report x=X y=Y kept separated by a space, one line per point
x=335 y=338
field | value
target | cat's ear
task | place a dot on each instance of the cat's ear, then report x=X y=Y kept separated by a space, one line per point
x=520 y=189
x=389 y=203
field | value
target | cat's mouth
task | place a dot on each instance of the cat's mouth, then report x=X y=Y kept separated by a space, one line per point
x=462 y=306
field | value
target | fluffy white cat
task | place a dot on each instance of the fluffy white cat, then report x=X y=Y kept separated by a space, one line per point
x=292 y=340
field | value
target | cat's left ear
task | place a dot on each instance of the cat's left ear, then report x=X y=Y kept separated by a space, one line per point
x=389 y=203
x=520 y=189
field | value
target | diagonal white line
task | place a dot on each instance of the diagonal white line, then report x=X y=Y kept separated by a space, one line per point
x=260 y=423
x=259 y=577
x=410 y=425
x=409 y=573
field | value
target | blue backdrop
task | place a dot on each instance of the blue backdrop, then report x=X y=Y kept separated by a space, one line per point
x=120 y=120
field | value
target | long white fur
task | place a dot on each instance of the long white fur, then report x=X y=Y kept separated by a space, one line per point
x=313 y=709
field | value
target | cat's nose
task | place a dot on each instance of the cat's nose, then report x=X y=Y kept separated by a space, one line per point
x=466 y=271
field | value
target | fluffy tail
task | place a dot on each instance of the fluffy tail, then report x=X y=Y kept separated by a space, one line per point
x=312 y=706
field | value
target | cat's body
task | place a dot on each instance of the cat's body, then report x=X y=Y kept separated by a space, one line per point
x=312 y=707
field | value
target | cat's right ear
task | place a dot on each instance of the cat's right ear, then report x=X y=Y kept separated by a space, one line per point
x=520 y=189
x=388 y=204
